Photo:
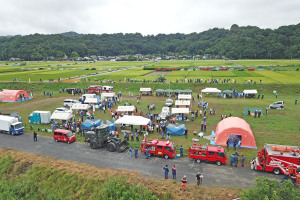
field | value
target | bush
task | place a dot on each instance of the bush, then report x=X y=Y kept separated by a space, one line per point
x=268 y=189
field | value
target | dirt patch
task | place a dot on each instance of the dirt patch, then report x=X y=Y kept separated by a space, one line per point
x=160 y=186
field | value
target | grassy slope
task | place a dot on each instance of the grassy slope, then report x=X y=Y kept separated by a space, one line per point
x=30 y=176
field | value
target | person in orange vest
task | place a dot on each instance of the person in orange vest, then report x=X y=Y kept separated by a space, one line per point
x=184 y=181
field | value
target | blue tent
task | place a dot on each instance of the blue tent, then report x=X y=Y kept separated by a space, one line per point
x=89 y=123
x=176 y=129
x=111 y=125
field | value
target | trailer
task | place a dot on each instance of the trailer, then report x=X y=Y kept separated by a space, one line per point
x=165 y=149
x=11 y=125
x=277 y=158
x=201 y=153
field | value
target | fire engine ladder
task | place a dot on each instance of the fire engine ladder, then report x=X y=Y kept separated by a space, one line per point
x=197 y=147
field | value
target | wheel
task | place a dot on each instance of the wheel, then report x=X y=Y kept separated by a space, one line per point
x=94 y=145
x=276 y=171
x=111 y=147
x=68 y=141
x=166 y=156
x=218 y=163
x=198 y=161
x=56 y=140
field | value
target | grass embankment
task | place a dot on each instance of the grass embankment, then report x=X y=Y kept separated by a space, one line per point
x=278 y=127
x=30 y=176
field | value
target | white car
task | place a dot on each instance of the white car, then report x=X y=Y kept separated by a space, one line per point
x=169 y=102
x=62 y=109
x=70 y=102
x=165 y=111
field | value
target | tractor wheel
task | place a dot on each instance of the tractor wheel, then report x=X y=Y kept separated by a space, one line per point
x=69 y=142
x=218 y=163
x=166 y=156
x=94 y=145
x=111 y=147
x=198 y=161
x=276 y=171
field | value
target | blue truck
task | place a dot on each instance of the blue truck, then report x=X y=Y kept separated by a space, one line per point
x=11 y=125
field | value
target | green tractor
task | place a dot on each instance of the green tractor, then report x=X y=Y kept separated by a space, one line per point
x=101 y=137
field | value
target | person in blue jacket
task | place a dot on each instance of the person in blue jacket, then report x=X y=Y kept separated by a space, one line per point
x=130 y=150
x=232 y=160
x=174 y=172
x=166 y=171
x=181 y=151
x=147 y=153
x=243 y=160
x=135 y=152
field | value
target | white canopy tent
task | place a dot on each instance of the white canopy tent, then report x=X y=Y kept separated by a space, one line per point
x=210 y=90
x=61 y=115
x=91 y=100
x=79 y=106
x=133 y=120
x=180 y=110
x=253 y=91
x=145 y=89
x=184 y=97
x=107 y=95
x=182 y=103
x=126 y=108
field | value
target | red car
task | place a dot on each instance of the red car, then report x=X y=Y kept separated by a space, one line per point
x=62 y=135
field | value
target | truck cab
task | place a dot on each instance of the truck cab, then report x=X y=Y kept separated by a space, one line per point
x=165 y=149
x=17 y=128
x=61 y=135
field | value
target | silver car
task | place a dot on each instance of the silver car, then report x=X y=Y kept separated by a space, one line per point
x=277 y=105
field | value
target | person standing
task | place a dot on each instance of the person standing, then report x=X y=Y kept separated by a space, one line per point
x=135 y=152
x=166 y=171
x=174 y=172
x=130 y=151
x=147 y=153
x=232 y=160
x=168 y=135
x=243 y=160
x=266 y=110
x=34 y=136
x=296 y=101
x=276 y=95
x=234 y=144
x=198 y=179
x=239 y=144
x=181 y=151
x=184 y=181
x=227 y=144
x=236 y=161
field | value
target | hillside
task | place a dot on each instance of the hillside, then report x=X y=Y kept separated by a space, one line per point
x=237 y=42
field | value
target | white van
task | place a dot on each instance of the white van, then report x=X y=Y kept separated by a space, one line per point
x=89 y=96
x=70 y=102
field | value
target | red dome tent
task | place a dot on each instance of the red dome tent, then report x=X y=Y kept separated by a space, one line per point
x=13 y=96
x=234 y=127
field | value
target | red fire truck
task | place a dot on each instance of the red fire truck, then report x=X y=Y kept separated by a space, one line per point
x=200 y=153
x=95 y=89
x=277 y=158
x=165 y=149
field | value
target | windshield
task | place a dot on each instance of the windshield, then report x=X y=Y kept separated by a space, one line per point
x=70 y=134
x=20 y=125
x=169 y=101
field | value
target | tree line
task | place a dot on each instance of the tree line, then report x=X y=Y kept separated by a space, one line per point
x=249 y=42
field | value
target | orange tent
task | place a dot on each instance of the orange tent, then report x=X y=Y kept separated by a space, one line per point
x=234 y=127
x=13 y=95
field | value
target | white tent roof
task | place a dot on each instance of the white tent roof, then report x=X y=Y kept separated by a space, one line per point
x=184 y=96
x=165 y=109
x=145 y=89
x=61 y=115
x=182 y=103
x=211 y=90
x=41 y=112
x=126 y=108
x=79 y=106
x=250 y=91
x=133 y=120
x=91 y=100
x=108 y=95
x=180 y=110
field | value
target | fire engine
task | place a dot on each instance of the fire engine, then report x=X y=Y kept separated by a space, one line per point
x=277 y=158
x=165 y=149
x=201 y=153
x=95 y=89
x=107 y=89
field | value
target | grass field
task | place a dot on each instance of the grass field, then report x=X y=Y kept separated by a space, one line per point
x=279 y=127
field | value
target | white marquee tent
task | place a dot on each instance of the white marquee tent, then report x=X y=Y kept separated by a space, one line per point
x=61 y=115
x=180 y=110
x=126 y=108
x=250 y=91
x=210 y=90
x=184 y=96
x=133 y=120
x=79 y=106
x=182 y=103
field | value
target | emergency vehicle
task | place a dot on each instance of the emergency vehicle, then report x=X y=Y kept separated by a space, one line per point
x=94 y=89
x=107 y=89
x=201 y=153
x=62 y=135
x=277 y=158
x=165 y=149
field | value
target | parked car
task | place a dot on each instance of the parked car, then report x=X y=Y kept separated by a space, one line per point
x=70 y=102
x=62 y=135
x=169 y=102
x=277 y=105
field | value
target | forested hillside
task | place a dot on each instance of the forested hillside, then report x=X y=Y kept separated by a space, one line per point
x=237 y=42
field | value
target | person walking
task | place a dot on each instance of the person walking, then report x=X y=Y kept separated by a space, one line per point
x=174 y=172
x=34 y=136
x=198 y=179
x=243 y=160
x=181 y=151
x=166 y=171
x=135 y=152
x=232 y=160
x=130 y=151
x=184 y=181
